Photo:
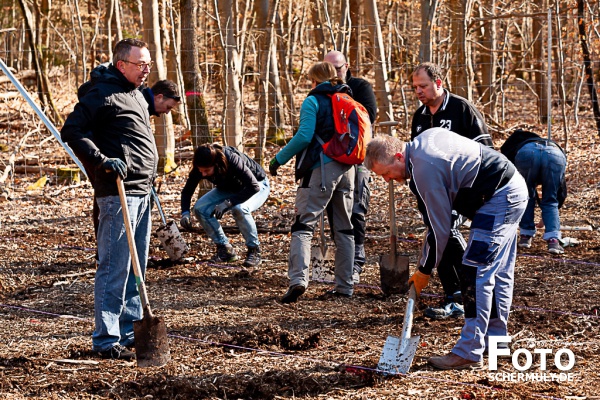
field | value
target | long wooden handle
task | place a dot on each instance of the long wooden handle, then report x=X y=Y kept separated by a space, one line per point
x=137 y=271
x=392 y=211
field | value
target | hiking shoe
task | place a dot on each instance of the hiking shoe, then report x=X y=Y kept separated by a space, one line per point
x=118 y=352
x=292 y=294
x=554 y=246
x=525 y=242
x=335 y=293
x=448 y=310
x=453 y=361
x=225 y=253
x=252 y=257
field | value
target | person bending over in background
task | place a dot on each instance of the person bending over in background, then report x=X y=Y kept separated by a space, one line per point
x=241 y=187
x=541 y=162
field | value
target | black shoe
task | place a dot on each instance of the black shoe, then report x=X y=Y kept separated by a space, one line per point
x=225 y=253
x=118 y=352
x=291 y=296
x=335 y=293
x=253 y=257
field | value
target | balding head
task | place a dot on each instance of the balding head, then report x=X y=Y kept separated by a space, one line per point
x=339 y=62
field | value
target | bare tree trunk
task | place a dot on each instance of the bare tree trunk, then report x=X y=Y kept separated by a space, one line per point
x=539 y=67
x=461 y=70
x=587 y=62
x=232 y=135
x=428 y=19
x=192 y=79
x=164 y=133
x=382 y=92
x=355 y=51
x=488 y=58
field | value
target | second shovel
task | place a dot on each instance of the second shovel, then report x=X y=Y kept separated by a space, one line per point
x=393 y=267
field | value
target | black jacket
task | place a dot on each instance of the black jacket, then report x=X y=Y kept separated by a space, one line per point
x=362 y=91
x=241 y=179
x=457 y=115
x=518 y=139
x=111 y=120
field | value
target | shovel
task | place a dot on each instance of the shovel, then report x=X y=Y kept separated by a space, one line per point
x=151 y=342
x=393 y=268
x=169 y=235
x=398 y=353
x=319 y=255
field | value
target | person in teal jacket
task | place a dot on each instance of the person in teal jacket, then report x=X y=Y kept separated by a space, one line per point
x=322 y=180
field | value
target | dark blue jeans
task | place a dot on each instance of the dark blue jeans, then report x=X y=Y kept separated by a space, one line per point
x=541 y=164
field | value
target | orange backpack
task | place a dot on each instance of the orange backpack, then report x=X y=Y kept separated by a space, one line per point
x=352 y=130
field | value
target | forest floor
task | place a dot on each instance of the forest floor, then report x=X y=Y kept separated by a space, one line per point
x=231 y=338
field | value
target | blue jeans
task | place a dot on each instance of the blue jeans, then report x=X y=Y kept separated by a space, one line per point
x=242 y=214
x=116 y=299
x=541 y=164
x=487 y=275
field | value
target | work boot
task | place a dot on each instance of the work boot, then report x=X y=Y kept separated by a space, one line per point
x=118 y=352
x=554 y=246
x=225 y=253
x=253 y=257
x=450 y=308
x=292 y=294
x=453 y=361
x=525 y=241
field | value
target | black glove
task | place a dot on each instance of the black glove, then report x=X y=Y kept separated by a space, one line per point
x=186 y=221
x=273 y=165
x=115 y=165
x=221 y=209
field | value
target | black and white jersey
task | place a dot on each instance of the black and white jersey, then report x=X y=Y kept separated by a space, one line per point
x=456 y=114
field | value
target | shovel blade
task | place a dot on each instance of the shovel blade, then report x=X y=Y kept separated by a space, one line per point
x=172 y=241
x=151 y=342
x=398 y=354
x=393 y=273
x=321 y=270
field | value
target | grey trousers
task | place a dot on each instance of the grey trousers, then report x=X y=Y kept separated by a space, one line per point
x=311 y=200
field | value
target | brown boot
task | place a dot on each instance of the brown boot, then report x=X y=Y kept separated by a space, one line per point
x=452 y=361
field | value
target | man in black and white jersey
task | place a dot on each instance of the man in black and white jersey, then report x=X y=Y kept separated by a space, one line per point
x=446 y=110
x=449 y=172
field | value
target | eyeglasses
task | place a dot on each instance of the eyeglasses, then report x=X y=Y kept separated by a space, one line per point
x=141 y=66
x=340 y=67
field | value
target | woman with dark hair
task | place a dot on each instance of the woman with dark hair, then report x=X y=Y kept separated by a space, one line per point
x=322 y=181
x=241 y=186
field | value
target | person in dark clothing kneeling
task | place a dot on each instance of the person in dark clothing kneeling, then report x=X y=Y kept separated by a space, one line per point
x=241 y=187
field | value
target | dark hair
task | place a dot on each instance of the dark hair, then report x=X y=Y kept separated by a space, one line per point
x=122 y=49
x=209 y=155
x=167 y=88
x=432 y=70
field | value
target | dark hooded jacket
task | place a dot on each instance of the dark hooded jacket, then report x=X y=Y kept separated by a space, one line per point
x=362 y=91
x=111 y=120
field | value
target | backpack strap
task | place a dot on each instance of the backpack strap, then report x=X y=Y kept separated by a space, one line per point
x=321 y=156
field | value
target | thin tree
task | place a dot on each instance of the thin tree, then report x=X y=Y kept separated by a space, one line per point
x=587 y=62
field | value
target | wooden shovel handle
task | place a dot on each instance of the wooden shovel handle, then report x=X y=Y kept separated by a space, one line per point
x=392 y=212
x=137 y=271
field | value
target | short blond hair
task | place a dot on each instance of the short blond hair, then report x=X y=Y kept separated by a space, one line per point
x=383 y=150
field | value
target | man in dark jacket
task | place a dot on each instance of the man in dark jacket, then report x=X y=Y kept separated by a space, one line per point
x=446 y=110
x=109 y=130
x=449 y=172
x=362 y=91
